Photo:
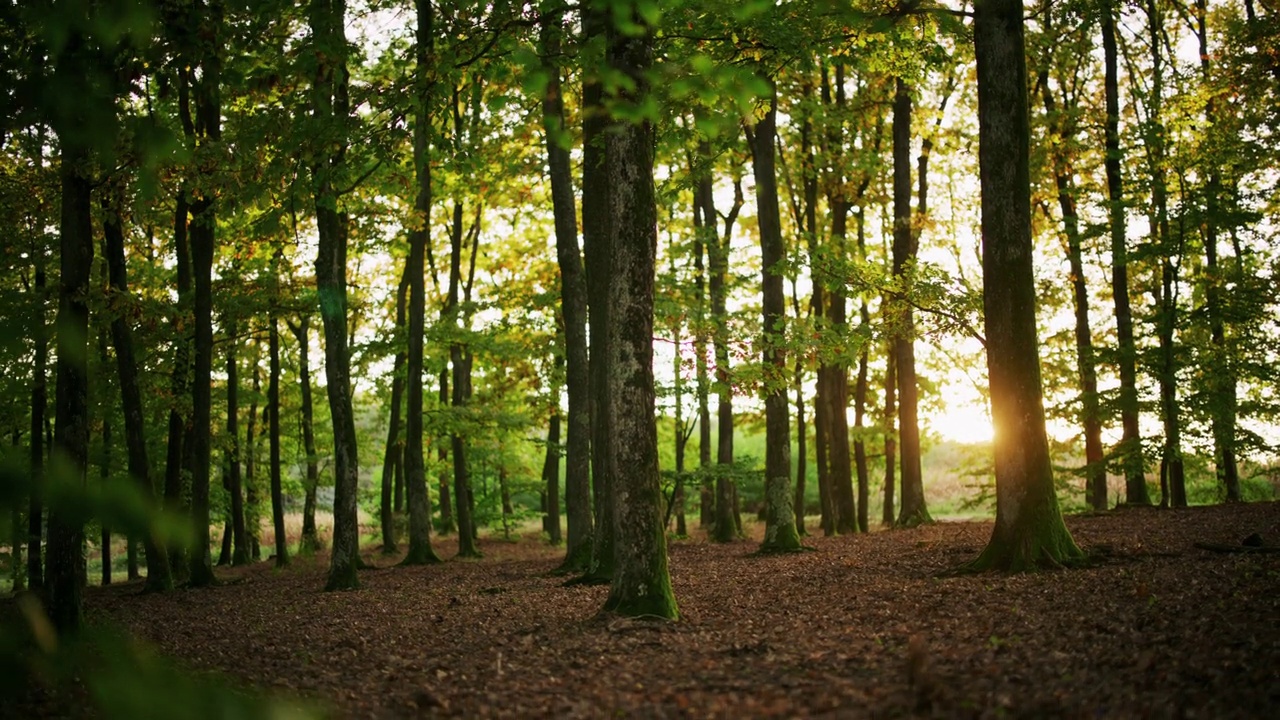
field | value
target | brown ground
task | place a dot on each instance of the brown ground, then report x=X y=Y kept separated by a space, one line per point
x=864 y=627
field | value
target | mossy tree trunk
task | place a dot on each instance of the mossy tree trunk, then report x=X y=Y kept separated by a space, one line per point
x=1029 y=531
x=641 y=585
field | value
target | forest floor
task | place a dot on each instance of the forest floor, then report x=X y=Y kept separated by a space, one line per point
x=866 y=626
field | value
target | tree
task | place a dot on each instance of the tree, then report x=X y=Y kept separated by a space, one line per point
x=641 y=585
x=159 y=576
x=420 y=550
x=1029 y=531
x=310 y=540
x=913 y=510
x=330 y=107
x=1062 y=125
x=573 y=309
x=780 y=525
x=1131 y=442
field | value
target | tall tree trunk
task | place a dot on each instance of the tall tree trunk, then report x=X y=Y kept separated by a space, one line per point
x=18 y=538
x=725 y=528
x=64 y=583
x=391 y=481
x=448 y=523
x=310 y=541
x=573 y=311
x=240 y=556
x=1172 y=475
x=860 y=390
x=641 y=585
x=460 y=363
x=159 y=577
x=1086 y=365
x=104 y=465
x=706 y=488
x=253 y=509
x=39 y=404
x=780 y=522
x=598 y=267
x=551 y=479
x=273 y=433
x=890 y=434
x=330 y=107
x=420 y=550
x=913 y=508
x=1131 y=443
x=208 y=119
x=179 y=375
x=1028 y=531
x=1223 y=402
x=802 y=431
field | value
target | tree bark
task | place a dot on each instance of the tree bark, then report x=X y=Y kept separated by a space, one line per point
x=641 y=585
x=780 y=522
x=64 y=581
x=208 y=121
x=1028 y=531
x=1131 y=442
x=273 y=432
x=725 y=528
x=330 y=107
x=39 y=405
x=913 y=510
x=1223 y=384
x=573 y=314
x=1086 y=364
x=551 y=479
x=420 y=551
x=890 y=435
x=598 y=267
x=253 y=510
x=391 y=479
x=159 y=576
x=310 y=541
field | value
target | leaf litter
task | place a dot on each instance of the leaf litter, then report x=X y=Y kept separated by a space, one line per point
x=868 y=626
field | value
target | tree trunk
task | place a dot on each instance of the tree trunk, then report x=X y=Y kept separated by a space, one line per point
x=1172 y=475
x=1222 y=388
x=310 y=541
x=780 y=522
x=64 y=583
x=39 y=405
x=573 y=310
x=179 y=376
x=159 y=576
x=273 y=432
x=890 y=434
x=802 y=431
x=253 y=510
x=104 y=466
x=1086 y=365
x=448 y=523
x=860 y=397
x=913 y=510
x=1029 y=531
x=1131 y=443
x=551 y=479
x=208 y=108
x=641 y=585
x=420 y=551
x=392 y=481
x=725 y=529
x=598 y=267
x=330 y=107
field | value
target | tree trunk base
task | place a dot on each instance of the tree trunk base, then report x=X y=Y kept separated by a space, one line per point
x=423 y=555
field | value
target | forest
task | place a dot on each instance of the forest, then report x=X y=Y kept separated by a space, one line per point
x=382 y=358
